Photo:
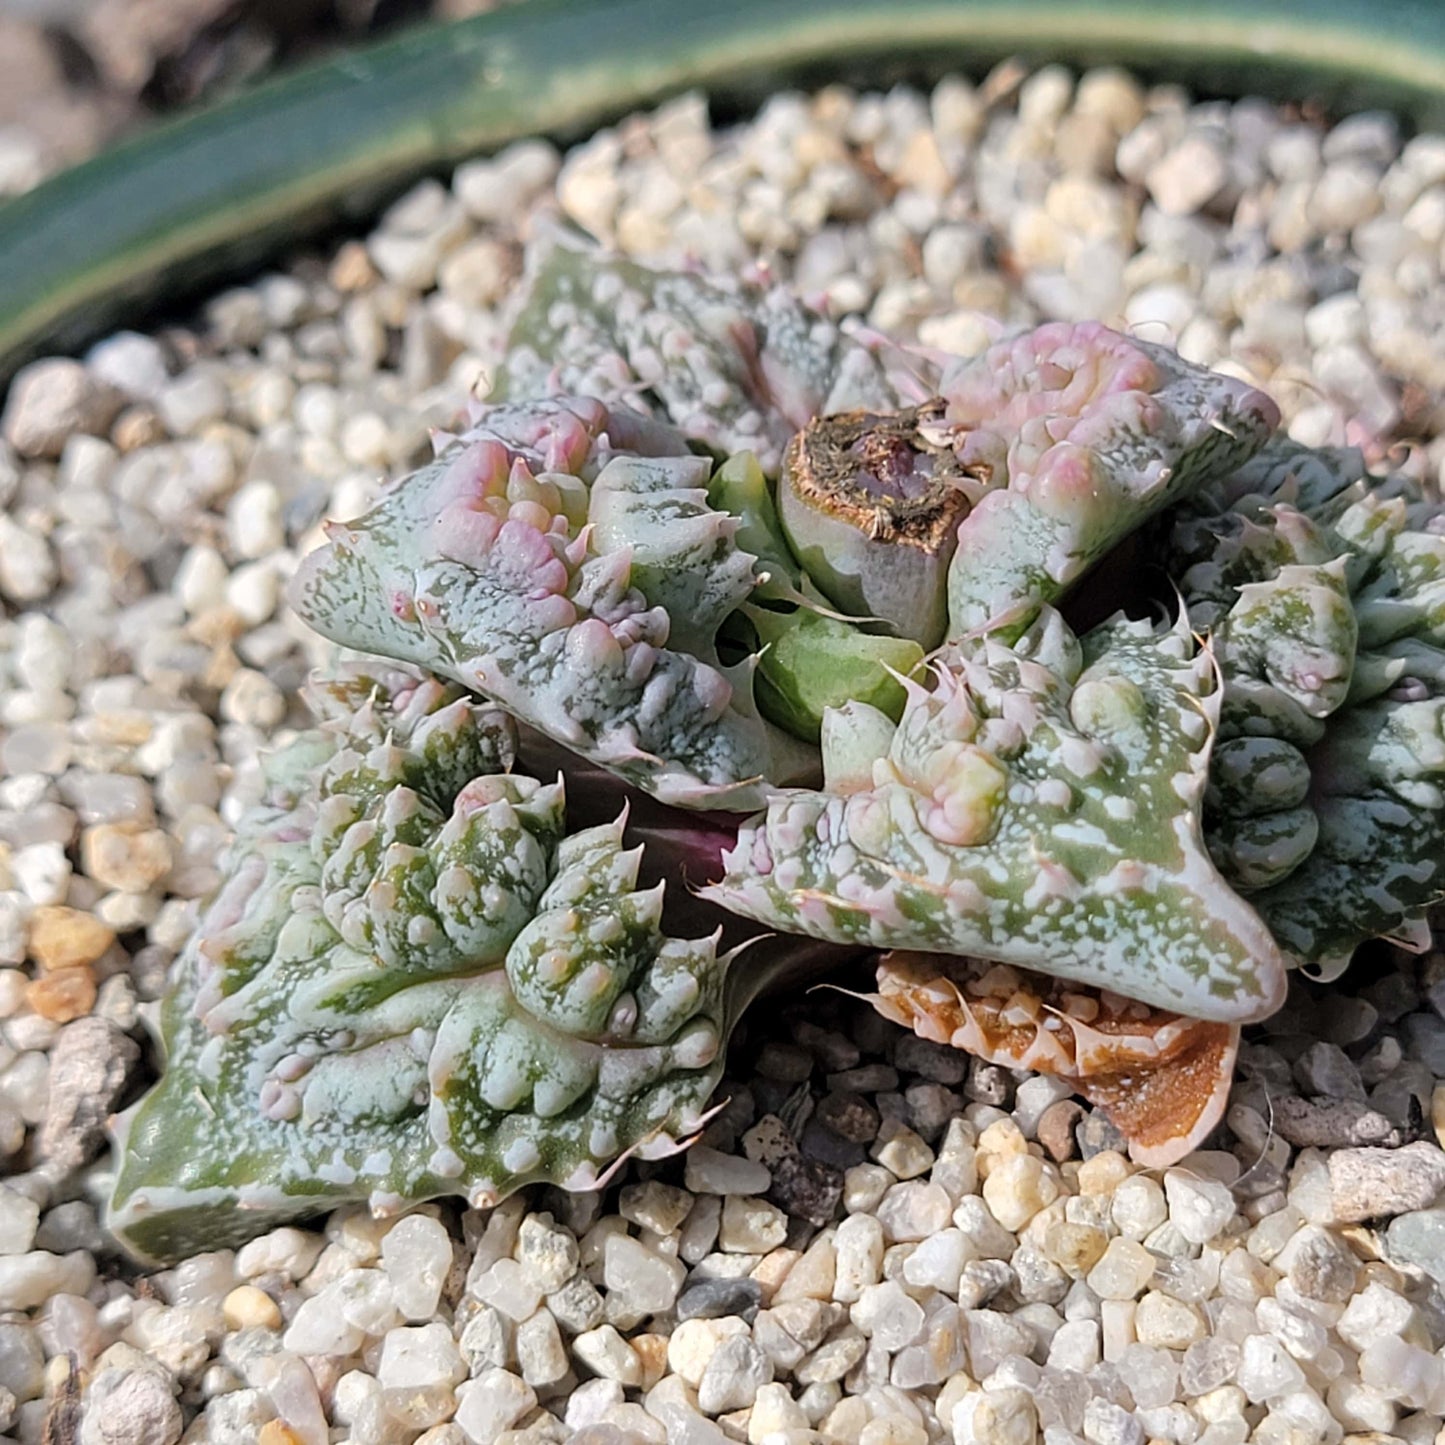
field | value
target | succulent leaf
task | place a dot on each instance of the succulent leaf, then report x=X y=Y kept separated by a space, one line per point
x=578 y=588
x=1084 y=434
x=734 y=366
x=491 y=1004
x=1039 y=805
x=1322 y=585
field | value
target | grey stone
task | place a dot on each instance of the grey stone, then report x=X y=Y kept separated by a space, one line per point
x=713 y=1299
x=89 y=1066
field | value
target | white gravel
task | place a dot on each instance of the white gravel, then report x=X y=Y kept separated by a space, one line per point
x=928 y=1249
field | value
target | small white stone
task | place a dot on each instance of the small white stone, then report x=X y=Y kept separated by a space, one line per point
x=192 y=401
x=254 y=524
x=1122 y=1271
x=751 y=1226
x=547 y=1253
x=420 y=1359
x=506 y=1286
x=416 y=1254
x=706 y=1171
x=1167 y=1323
x=492 y=1404
x=737 y=1370
x=1017 y=1187
x=49 y=401
x=662 y=1208
x=251 y=698
x=1266 y=1370
x=540 y=1354
x=1138 y=1206
x=1199 y=1208
x=43 y=872
x=902 y=1152
x=604 y=1351
x=914 y=1210
x=319 y=1328
x=1188 y=176
x=938 y=1261
x=19 y=1217
x=253 y=592
x=694 y=1342
x=200 y=580
x=28 y=570
x=858 y=1245
x=497 y=189
x=774 y=1410
x=887 y=1315
x=645 y=1280
x=288 y=1251
x=1077 y=1346
x=132 y=363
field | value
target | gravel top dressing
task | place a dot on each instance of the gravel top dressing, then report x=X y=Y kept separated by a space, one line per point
x=878 y=1240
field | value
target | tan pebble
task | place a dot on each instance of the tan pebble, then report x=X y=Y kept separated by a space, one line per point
x=1437 y=1113
x=735 y=1423
x=65 y=994
x=1001 y=1140
x=812 y=1276
x=125 y=857
x=136 y=427
x=352 y=269
x=62 y=937
x=218 y=627
x=1075 y=1248
x=274 y=1432
x=247 y=1307
x=1104 y=1172
x=923 y=166
x=773 y=1269
x=651 y=1350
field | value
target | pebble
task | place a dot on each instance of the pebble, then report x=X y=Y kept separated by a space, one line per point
x=1124 y=1268
x=707 y=1171
x=1375 y=1183
x=750 y=1226
x=901 y=1151
x=1188 y=176
x=734 y=1374
x=136 y=1409
x=1017 y=1188
x=416 y=1254
x=646 y=1281
x=1198 y=1207
x=51 y=400
x=112 y=807
x=90 y=1065
x=492 y=1403
x=254 y=521
x=62 y=937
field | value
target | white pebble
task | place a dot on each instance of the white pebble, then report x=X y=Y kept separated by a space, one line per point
x=416 y=1254
x=254 y=526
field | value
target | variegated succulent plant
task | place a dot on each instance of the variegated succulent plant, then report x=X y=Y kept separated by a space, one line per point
x=720 y=556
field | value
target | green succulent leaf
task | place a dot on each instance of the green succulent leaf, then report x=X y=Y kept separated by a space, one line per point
x=734 y=366
x=563 y=560
x=1040 y=805
x=1323 y=587
x=406 y=991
